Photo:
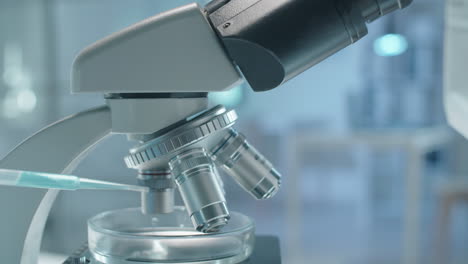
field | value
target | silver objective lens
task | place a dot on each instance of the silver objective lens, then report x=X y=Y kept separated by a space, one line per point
x=160 y=197
x=199 y=186
x=247 y=166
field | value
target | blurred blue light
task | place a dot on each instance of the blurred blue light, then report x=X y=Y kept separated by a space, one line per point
x=390 y=45
x=229 y=98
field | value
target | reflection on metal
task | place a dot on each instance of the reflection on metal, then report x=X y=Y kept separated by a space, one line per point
x=391 y=45
x=247 y=166
x=190 y=151
x=229 y=98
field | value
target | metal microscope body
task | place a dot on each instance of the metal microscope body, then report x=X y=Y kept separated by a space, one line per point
x=136 y=116
x=155 y=76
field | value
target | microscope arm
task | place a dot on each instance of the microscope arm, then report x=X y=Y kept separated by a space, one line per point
x=57 y=148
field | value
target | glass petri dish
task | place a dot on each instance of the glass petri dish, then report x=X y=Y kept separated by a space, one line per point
x=128 y=236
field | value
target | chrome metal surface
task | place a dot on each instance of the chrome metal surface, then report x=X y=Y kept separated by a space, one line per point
x=152 y=158
x=200 y=188
x=160 y=198
x=247 y=166
x=190 y=150
x=192 y=131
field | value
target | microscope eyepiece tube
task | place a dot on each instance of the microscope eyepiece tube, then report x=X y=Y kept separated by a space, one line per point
x=247 y=166
x=199 y=186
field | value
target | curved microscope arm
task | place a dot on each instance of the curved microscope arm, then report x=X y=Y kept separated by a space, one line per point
x=57 y=148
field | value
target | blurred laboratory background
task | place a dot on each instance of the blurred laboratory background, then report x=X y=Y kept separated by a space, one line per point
x=371 y=171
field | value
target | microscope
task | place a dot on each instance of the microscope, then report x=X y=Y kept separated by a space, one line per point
x=155 y=76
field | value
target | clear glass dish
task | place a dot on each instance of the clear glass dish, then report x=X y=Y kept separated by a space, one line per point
x=128 y=236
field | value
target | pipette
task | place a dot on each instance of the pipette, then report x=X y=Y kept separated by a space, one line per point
x=60 y=181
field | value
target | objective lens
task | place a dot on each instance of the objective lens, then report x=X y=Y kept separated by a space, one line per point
x=199 y=186
x=247 y=166
x=160 y=197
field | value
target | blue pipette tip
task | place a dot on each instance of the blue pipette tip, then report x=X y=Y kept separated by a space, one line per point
x=60 y=181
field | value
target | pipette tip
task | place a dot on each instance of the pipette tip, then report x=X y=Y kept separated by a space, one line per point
x=103 y=185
